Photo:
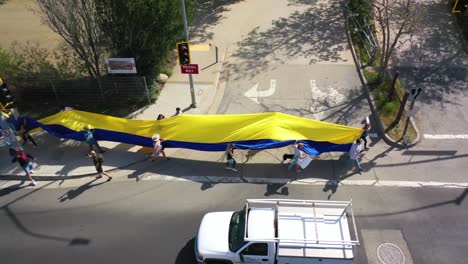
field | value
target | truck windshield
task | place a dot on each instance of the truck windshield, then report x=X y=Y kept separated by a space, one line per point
x=236 y=231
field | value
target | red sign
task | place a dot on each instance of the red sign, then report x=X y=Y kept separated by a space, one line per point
x=189 y=69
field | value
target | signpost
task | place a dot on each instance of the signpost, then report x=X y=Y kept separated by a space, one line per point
x=415 y=92
x=189 y=69
x=192 y=89
x=120 y=65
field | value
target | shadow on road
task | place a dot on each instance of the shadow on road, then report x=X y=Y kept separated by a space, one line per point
x=17 y=222
x=187 y=253
x=73 y=193
x=13 y=188
x=456 y=201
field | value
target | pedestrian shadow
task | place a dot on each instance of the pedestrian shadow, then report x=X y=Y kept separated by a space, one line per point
x=13 y=188
x=330 y=185
x=250 y=154
x=72 y=194
x=277 y=188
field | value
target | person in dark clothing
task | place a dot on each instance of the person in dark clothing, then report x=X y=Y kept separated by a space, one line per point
x=230 y=157
x=25 y=161
x=24 y=133
x=98 y=161
x=365 y=133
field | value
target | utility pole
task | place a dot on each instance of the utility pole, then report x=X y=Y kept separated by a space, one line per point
x=414 y=93
x=192 y=89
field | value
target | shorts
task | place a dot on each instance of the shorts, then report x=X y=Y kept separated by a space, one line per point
x=28 y=168
x=99 y=169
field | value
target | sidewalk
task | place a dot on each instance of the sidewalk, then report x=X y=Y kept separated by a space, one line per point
x=58 y=158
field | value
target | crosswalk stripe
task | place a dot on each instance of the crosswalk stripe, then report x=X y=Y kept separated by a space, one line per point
x=431 y=136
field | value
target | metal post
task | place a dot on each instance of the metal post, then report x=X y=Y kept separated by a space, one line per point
x=55 y=92
x=408 y=119
x=192 y=89
x=402 y=107
x=146 y=88
x=100 y=88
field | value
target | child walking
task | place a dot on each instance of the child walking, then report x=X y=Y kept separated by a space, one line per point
x=26 y=162
x=230 y=157
x=98 y=160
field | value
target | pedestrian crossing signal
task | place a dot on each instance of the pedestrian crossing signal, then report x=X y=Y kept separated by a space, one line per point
x=6 y=99
x=460 y=6
x=183 y=53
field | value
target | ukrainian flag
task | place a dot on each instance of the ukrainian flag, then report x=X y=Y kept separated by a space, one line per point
x=206 y=132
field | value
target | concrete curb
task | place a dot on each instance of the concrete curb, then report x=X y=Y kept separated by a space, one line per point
x=375 y=113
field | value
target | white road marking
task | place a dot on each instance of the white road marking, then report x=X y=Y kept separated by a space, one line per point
x=431 y=136
x=254 y=94
x=236 y=179
x=322 y=101
x=320 y=182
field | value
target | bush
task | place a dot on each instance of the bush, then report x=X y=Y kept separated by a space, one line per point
x=371 y=77
x=388 y=108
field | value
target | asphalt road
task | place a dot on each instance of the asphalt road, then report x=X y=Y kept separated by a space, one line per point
x=156 y=221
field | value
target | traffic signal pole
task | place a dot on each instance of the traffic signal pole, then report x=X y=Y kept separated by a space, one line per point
x=192 y=89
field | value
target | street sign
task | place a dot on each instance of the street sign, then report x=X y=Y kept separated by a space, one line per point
x=189 y=69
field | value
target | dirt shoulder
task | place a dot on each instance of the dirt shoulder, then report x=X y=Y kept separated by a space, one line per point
x=20 y=23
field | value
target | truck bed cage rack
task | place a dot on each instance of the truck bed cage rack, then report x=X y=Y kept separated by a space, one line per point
x=277 y=204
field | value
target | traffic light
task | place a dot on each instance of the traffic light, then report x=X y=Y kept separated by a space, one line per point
x=6 y=99
x=183 y=53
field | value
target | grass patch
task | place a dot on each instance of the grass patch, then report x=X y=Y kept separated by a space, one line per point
x=388 y=110
x=387 y=107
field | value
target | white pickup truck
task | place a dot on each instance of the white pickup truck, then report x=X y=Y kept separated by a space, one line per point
x=279 y=231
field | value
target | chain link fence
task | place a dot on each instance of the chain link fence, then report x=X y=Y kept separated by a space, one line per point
x=111 y=95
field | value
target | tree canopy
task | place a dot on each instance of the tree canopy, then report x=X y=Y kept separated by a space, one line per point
x=143 y=29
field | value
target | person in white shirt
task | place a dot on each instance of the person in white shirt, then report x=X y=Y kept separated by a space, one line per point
x=298 y=155
x=355 y=153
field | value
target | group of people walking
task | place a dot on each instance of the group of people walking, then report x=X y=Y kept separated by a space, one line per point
x=298 y=160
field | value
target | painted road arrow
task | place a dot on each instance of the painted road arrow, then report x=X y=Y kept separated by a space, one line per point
x=254 y=94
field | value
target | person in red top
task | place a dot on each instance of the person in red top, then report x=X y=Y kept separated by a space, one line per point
x=25 y=161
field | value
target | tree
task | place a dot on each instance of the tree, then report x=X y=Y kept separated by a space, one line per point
x=394 y=18
x=76 y=22
x=144 y=29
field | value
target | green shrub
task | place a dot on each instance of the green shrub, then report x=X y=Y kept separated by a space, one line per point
x=371 y=77
x=388 y=108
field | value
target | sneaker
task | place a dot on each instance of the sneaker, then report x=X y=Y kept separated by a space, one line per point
x=34 y=183
x=109 y=179
x=31 y=171
x=227 y=168
x=233 y=169
x=98 y=177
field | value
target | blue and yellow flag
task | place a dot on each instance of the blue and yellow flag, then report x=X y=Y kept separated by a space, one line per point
x=206 y=132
